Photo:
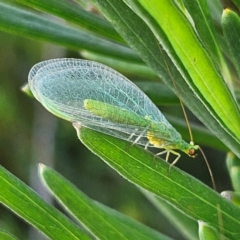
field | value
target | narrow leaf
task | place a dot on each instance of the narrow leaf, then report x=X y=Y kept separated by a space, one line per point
x=206 y=232
x=185 y=225
x=215 y=7
x=141 y=71
x=207 y=106
x=178 y=188
x=103 y=222
x=4 y=235
x=26 y=24
x=232 y=196
x=200 y=15
x=231 y=30
x=75 y=14
x=197 y=62
x=28 y=205
x=233 y=165
x=204 y=27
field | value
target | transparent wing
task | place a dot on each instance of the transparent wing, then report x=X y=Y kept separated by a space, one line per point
x=62 y=85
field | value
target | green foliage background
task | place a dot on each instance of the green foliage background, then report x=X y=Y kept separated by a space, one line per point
x=30 y=135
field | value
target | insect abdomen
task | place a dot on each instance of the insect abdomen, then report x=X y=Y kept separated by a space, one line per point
x=114 y=114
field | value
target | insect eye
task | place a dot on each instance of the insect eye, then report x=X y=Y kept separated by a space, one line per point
x=191 y=152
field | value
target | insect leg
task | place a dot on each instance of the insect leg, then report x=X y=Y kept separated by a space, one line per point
x=167 y=156
x=146 y=146
x=160 y=153
x=131 y=136
x=137 y=139
x=176 y=159
x=141 y=135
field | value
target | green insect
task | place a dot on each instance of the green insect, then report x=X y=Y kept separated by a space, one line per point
x=100 y=98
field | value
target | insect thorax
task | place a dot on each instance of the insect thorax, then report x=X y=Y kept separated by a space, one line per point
x=156 y=141
x=159 y=142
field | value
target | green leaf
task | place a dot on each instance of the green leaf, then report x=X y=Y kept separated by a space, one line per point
x=200 y=15
x=197 y=62
x=206 y=232
x=211 y=101
x=232 y=196
x=75 y=14
x=187 y=226
x=203 y=25
x=28 y=205
x=215 y=7
x=187 y=47
x=24 y=23
x=231 y=28
x=178 y=188
x=4 y=235
x=129 y=69
x=103 y=222
x=163 y=97
x=233 y=165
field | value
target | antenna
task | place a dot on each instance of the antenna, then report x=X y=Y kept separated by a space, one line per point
x=187 y=121
x=181 y=103
x=176 y=89
x=209 y=169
